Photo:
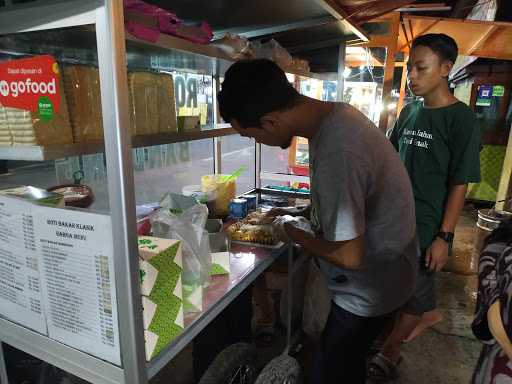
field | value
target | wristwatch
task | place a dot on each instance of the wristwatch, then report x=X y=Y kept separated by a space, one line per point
x=446 y=236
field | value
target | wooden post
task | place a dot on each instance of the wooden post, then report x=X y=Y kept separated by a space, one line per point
x=506 y=174
x=403 y=83
x=341 y=70
x=389 y=69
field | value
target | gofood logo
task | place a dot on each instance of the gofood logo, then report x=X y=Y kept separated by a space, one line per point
x=18 y=88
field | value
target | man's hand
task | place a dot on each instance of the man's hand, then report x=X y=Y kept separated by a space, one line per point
x=289 y=228
x=437 y=255
x=272 y=214
x=290 y=211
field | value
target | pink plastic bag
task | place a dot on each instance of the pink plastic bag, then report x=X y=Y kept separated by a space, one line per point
x=146 y=22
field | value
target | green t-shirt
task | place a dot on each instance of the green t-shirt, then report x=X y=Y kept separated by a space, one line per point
x=437 y=146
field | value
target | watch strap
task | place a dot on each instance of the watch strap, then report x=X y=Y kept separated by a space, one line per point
x=446 y=236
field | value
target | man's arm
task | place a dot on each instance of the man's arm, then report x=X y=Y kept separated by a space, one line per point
x=343 y=254
x=437 y=253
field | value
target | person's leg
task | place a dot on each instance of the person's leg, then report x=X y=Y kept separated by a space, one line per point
x=262 y=300
x=403 y=327
x=422 y=302
x=427 y=320
x=344 y=346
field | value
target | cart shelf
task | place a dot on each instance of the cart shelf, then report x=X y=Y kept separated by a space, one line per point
x=52 y=152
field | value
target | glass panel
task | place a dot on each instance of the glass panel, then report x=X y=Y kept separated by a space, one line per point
x=57 y=75
x=50 y=99
x=25 y=368
x=193 y=95
x=274 y=159
x=238 y=151
x=170 y=167
x=365 y=96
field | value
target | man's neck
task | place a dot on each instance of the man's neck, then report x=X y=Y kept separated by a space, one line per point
x=438 y=98
x=312 y=113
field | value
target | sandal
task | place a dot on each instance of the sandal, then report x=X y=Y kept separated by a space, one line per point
x=376 y=347
x=382 y=369
x=264 y=336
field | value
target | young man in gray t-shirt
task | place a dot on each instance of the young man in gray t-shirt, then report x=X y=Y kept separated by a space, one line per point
x=362 y=208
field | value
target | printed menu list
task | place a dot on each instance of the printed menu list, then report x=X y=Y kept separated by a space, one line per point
x=56 y=275
x=78 y=287
x=20 y=285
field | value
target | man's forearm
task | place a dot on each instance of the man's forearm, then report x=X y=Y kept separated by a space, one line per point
x=344 y=254
x=453 y=207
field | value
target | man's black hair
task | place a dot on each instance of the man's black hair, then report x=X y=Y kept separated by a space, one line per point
x=253 y=88
x=443 y=45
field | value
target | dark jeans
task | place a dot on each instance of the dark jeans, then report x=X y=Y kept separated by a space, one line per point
x=344 y=346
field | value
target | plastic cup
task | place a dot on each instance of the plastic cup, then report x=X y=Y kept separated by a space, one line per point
x=224 y=193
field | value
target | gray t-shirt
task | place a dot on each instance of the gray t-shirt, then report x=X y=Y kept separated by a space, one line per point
x=359 y=187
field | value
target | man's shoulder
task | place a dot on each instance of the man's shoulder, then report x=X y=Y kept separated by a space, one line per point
x=464 y=112
x=412 y=107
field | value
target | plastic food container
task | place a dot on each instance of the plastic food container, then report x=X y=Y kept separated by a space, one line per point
x=75 y=195
x=224 y=193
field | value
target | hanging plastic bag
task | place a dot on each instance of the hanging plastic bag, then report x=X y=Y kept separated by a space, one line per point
x=317 y=302
x=188 y=226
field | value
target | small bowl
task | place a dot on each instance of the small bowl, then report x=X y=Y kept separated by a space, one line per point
x=75 y=195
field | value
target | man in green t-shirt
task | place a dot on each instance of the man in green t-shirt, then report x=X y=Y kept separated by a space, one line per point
x=438 y=140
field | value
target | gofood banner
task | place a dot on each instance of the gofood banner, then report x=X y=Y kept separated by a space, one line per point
x=31 y=84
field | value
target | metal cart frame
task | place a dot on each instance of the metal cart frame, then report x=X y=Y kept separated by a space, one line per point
x=107 y=16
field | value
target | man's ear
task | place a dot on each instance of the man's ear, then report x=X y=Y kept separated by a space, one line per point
x=235 y=125
x=446 y=68
x=268 y=121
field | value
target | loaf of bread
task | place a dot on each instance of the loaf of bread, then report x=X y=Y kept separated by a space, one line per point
x=151 y=99
x=82 y=88
x=5 y=134
x=21 y=127
x=152 y=106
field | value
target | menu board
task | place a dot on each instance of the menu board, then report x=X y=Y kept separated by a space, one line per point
x=64 y=280
x=75 y=250
x=20 y=284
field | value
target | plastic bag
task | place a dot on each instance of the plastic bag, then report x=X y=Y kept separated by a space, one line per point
x=152 y=105
x=235 y=46
x=146 y=21
x=298 y=222
x=317 y=302
x=224 y=191
x=82 y=88
x=186 y=225
x=22 y=124
x=272 y=50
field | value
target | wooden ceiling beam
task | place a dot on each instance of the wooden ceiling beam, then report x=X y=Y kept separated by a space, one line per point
x=335 y=9
x=424 y=31
x=492 y=30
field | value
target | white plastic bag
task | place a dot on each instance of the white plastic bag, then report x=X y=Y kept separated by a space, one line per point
x=188 y=227
x=272 y=50
x=298 y=222
x=237 y=47
x=317 y=302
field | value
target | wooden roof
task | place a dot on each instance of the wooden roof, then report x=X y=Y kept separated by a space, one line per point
x=488 y=39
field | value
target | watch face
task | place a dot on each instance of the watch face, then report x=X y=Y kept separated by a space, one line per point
x=446 y=236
